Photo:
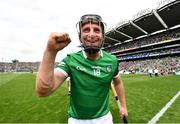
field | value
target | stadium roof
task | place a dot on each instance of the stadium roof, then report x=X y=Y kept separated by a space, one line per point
x=163 y=18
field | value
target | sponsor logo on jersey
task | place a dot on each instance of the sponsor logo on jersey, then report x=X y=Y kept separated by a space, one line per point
x=109 y=68
x=80 y=68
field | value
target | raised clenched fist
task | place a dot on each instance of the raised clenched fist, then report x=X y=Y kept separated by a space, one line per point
x=57 y=41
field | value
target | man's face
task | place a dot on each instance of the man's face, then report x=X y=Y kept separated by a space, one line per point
x=92 y=35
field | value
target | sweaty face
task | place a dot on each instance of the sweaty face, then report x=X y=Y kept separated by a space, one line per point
x=92 y=35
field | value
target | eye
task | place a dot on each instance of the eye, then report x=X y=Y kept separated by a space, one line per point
x=86 y=30
x=97 y=30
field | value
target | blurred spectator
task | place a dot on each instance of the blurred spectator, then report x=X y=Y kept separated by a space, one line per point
x=150 y=71
x=156 y=72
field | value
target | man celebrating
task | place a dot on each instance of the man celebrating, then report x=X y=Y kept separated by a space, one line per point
x=91 y=71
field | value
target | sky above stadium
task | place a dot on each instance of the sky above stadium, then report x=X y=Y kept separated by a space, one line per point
x=25 y=25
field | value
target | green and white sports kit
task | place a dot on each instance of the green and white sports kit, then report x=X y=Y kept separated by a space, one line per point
x=90 y=83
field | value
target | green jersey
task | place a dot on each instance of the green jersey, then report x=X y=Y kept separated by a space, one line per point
x=90 y=83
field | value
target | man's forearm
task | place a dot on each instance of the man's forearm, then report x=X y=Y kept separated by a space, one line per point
x=45 y=77
x=120 y=92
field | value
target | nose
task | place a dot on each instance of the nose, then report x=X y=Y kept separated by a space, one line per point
x=91 y=34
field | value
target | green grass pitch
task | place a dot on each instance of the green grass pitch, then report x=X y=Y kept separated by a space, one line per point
x=145 y=98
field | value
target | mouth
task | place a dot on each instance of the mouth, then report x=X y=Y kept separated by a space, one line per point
x=91 y=43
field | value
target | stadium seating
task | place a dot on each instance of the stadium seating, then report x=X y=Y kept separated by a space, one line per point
x=149 y=41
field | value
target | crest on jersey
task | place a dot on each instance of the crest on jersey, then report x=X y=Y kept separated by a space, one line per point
x=109 y=68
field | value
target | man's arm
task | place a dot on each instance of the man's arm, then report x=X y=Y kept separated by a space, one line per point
x=118 y=85
x=48 y=80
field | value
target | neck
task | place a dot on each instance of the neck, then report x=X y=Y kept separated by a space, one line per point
x=93 y=56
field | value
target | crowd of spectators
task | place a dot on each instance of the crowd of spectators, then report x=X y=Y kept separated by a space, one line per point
x=159 y=37
x=19 y=66
x=162 y=59
x=149 y=54
x=165 y=66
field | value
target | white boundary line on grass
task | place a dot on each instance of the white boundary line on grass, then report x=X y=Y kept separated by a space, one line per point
x=163 y=110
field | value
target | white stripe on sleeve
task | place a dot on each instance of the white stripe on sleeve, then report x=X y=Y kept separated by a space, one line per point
x=61 y=70
x=117 y=75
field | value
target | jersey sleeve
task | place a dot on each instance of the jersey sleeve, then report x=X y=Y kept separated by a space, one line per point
x=116 y=73
x=63 y=66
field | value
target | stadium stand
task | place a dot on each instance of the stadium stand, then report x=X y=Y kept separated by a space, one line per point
x=20 y=66
x=151 y=41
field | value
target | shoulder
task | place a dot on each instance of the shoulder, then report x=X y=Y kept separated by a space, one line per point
x=70 y=58
x=74 y=55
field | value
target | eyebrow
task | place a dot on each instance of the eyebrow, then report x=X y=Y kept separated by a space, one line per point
x=92 y=22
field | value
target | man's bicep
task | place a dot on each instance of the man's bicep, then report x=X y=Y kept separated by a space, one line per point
x=59 y=77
